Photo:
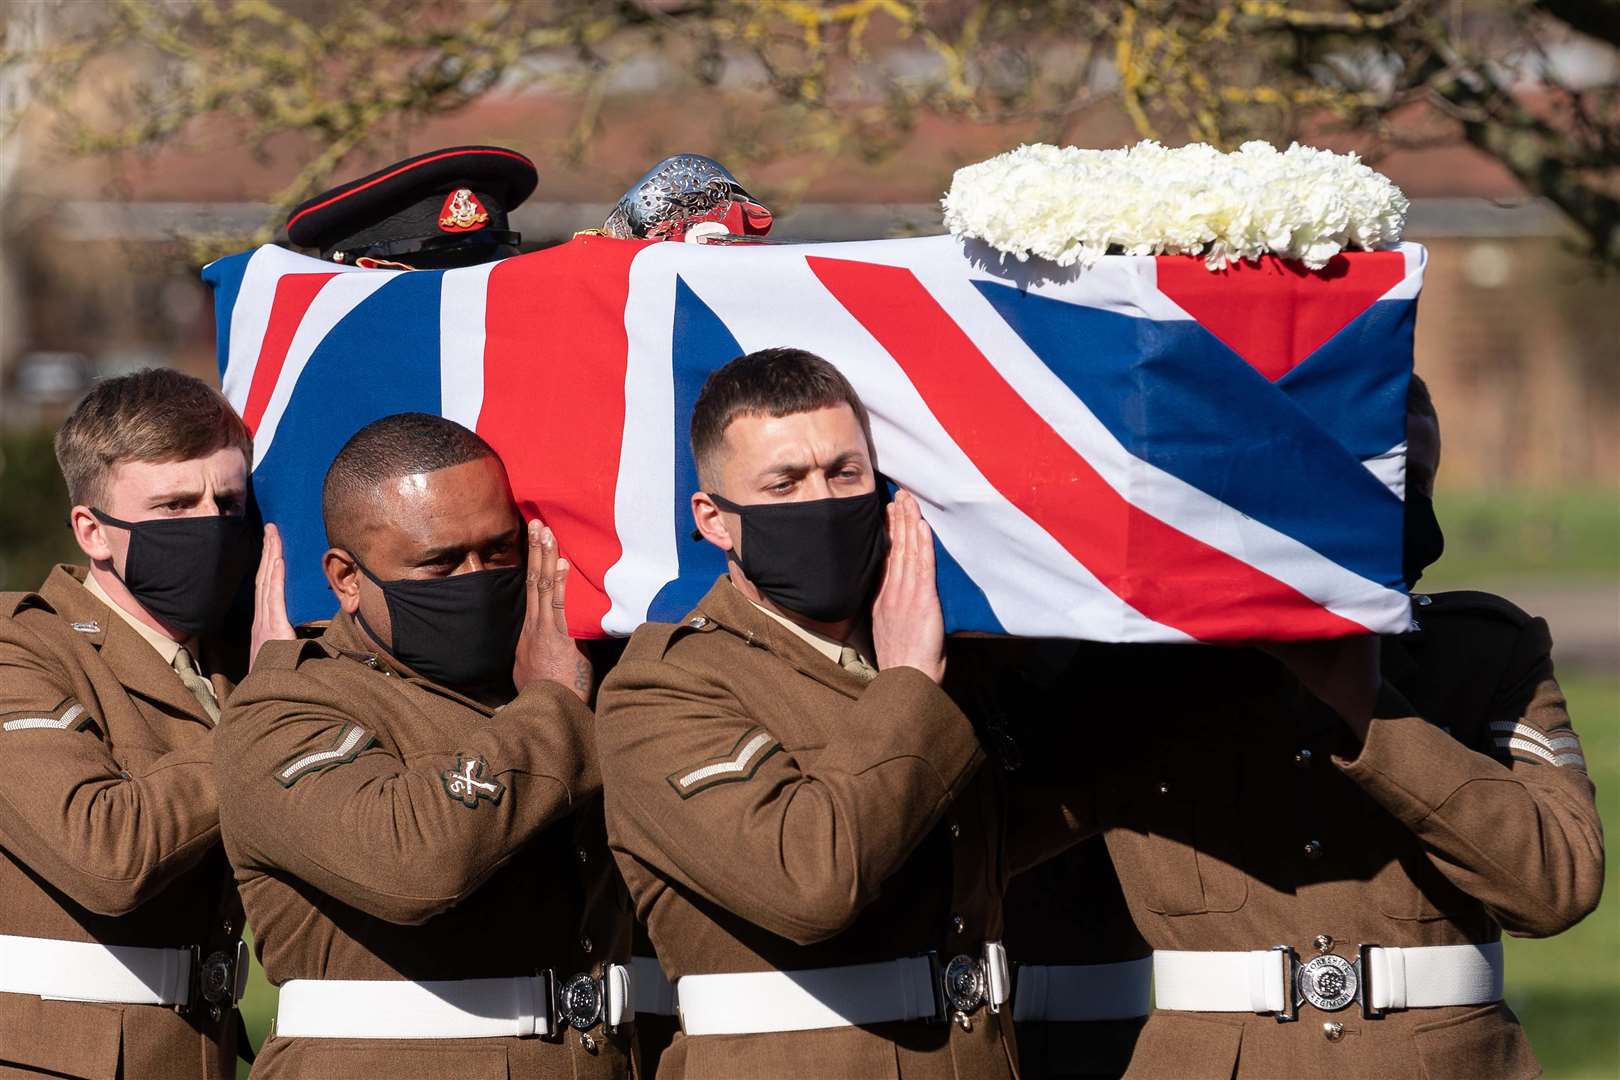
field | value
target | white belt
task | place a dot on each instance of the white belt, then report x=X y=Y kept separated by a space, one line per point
x=1276 y=981
x=1081 y=992
x=916 y=988
x=451 y=1008
x=87 y=971
x=654 y=993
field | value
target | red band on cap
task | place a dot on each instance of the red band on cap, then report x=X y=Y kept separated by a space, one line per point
x=404 y=169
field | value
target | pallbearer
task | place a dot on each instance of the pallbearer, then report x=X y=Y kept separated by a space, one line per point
x=414 y=812
x=797 y=804
x=1324 y=846
x=120 y=928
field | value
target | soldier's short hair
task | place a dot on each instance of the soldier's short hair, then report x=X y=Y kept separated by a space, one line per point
x=1418 y=401
x=400 y=445
x=770 y=382
x=155 y=414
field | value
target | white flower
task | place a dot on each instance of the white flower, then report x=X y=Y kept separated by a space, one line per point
x=1072 y=206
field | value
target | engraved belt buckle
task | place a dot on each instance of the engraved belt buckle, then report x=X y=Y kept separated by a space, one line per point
x=220 y=979
x=580 y=1001
x=1330 y=982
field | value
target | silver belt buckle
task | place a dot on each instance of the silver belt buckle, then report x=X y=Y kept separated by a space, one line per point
x=1331 y=983
x=1290 y=962
x=579 y=1002
x=219 y=980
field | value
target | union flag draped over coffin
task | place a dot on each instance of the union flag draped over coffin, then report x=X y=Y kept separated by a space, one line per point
x=1142 y=451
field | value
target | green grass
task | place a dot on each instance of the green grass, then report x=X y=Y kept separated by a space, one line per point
x=1548 y=535
x=1567 y=989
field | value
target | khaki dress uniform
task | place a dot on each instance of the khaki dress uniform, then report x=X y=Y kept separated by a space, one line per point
x=774 y=810
x=385 y=828
x=1241 y=814
x=1069 y=912
x=109 y=834
x=1075 y=951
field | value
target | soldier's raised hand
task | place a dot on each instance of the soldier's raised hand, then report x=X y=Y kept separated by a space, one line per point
x=908 y=627
x=270 y=622
x=545 y=651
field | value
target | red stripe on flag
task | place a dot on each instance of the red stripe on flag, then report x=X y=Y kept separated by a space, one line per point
x=1168 y=576
x=294 y=294
x=1275 y=313
x=555 y=355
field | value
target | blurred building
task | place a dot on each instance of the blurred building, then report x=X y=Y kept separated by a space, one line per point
x=1519 y=334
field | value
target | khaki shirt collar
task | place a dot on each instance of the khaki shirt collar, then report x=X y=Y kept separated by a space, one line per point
x=826 y=646
x=724 y=606
x=166 y=647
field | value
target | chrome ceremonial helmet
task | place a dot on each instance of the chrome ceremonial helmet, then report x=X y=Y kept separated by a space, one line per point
x=680 y=192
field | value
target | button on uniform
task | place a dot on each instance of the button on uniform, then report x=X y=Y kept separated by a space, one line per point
x=1313 y=849
x=1302 y=758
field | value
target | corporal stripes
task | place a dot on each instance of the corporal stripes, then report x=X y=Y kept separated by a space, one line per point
x=1527 y=743
x=741 y=763
x=351 y=740
x=64 y=721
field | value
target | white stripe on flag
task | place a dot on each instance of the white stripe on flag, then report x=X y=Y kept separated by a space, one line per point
x=331 y=305
x=1390 y=468
x=1155 y=491
x=1033 y=584
x=462 y=299
x=644 y=502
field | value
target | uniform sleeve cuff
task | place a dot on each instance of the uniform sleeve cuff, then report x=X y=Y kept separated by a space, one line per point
x=914 y=717
x=1408 y=765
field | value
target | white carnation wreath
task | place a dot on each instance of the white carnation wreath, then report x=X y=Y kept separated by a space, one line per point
x=1072 y=206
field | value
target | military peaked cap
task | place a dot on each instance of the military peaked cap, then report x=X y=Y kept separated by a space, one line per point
x=440 y=209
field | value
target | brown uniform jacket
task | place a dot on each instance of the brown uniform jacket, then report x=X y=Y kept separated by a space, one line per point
x=861 y=830
x=363 y=864
x=1069 y=909
x=1241 y=814
x=109 y=832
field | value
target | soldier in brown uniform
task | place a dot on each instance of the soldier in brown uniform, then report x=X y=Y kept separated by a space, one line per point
x=1082 y=976
x=809 y=838
x=119 y=922
x=415 y=819
x=1324 y=852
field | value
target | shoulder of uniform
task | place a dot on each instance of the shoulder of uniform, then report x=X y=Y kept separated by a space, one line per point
x=653 y=641
x=1468 y=604
x=13 y=604
x=287 y=655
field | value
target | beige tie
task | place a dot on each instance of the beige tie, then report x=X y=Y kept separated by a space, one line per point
x=851 y=661
x=200 y=688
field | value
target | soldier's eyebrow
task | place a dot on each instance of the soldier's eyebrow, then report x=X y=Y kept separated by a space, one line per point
x=177 y=495
x=791 y=470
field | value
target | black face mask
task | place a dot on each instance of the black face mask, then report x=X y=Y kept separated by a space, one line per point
x=459 y=631
x=186 y=571
x=819 y=558
x=1422 y=541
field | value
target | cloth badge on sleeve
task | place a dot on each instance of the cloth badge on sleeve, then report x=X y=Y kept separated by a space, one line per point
x=1558 y=746
x=741 y=763
x=350 y=741
x=466 y=783
x=65 y=715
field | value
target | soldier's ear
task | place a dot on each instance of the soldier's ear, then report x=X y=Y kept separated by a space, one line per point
x=710 y=522
x=343 y=575
x=90 y=534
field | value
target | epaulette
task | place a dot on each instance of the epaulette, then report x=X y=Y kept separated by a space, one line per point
x=654 y=640
x=15 y=603
x=287 y=655
x=1467 y=603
